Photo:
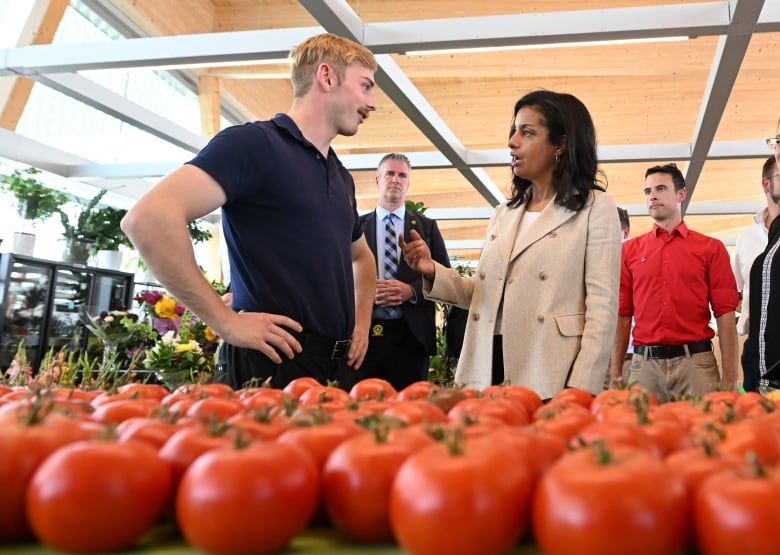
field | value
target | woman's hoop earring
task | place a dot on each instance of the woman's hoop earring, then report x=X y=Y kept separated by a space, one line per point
x=557 y=157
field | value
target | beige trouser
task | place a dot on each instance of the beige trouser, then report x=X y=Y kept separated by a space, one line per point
x=670 y=379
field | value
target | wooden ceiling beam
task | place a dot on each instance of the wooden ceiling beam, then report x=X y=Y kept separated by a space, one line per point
x=39 y=28
x=208 y=100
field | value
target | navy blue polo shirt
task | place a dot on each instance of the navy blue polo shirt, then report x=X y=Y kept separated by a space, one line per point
x=289 y=221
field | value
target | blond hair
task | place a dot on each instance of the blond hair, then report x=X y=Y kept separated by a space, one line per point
x=330 y=49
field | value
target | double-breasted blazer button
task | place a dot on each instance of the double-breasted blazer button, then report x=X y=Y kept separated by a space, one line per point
x=482 y=275
x=492 y=236
x=553 y=234
x=476 y=316
x=543 y=275
x=540 y=318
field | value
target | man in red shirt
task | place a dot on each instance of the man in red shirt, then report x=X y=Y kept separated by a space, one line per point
x=672 y=280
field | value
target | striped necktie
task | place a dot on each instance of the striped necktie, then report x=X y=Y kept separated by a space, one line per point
x=391 y=248
x=391 y=260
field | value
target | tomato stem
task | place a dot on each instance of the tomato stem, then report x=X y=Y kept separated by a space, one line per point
x=455 y=441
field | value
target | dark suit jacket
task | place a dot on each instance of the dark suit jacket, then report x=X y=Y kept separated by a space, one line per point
x=419 y=316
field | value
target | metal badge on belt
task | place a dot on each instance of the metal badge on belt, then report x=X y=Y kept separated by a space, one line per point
x=377 y=330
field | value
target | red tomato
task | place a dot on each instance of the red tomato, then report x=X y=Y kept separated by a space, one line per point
x=612 y=434
x=374 y=406
x=417 y=390
x=259 y=397
x=618 y=501
x=668 y=435
x=26 y=440
x=460 y=500
x=253 y=500
x=738 y=512
x=199 y=390
x=751 y=436
x=576 y=396
x=186 y=445
x=357 y=477
x=120 y=410
x=505 y=409
x=297 y=386
x=214 y=409
x=537 y=450
x=265 y=423
x=147 y=390
x=417 y=411
x=527 y=396
x=119 y=489
x=324 y=396
x=152 y=431
x=695 y=464
x=752 y=404
x=634 y=395
x=373 y=388
x=320 y=441
x=562 y=419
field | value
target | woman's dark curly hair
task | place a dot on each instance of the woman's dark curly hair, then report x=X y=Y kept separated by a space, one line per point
x=568 y=124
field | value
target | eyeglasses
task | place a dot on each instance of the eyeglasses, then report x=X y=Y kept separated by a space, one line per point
x=773 y=142
x=770 y=177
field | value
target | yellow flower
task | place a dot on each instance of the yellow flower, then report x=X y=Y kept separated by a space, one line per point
x=165 y=308
x=182 y=347
x=209 y=334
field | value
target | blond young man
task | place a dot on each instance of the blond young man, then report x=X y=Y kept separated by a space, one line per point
x=302 y=274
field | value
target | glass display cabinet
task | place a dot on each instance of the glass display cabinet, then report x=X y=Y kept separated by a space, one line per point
x=40 y=302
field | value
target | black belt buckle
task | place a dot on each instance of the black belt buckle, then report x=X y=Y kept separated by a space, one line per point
x=340 y=349
x=666 y=351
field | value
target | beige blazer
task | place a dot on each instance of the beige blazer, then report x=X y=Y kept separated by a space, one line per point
x=559 y=287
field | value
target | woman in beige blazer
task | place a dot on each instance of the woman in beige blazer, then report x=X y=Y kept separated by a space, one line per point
x=543 y=302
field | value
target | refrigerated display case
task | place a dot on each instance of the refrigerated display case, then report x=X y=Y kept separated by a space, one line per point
x=40 y=302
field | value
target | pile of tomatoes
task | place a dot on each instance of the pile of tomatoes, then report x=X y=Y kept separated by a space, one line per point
x=433 y=470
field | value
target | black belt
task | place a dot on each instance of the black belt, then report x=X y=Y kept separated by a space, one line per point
x=671 y=351
x=334 y=349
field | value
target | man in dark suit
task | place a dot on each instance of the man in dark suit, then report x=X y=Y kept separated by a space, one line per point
x=403 y=327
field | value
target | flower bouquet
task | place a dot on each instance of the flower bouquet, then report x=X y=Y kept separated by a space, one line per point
x=163 y=311
x=178 y=358
x=111 y=328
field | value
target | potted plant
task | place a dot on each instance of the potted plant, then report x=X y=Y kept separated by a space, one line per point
x=35 y=202
x=79 y=237
x=104 y=225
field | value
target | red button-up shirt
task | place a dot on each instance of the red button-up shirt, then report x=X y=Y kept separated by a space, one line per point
x=672 y=284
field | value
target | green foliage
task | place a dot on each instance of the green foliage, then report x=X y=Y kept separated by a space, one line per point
x=442 y=364
x=198 y=233
x=442 y=367
x=418 y=207
x=81 y=229
x=35 y=201
x=104 y=225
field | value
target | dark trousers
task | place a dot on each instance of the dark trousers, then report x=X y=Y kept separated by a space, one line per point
x=236 y=366
x=394 y=354
x=498 y=361
x=749 y=368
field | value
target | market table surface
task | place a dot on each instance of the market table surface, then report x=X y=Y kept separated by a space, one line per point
x=164 y=540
